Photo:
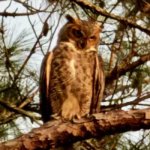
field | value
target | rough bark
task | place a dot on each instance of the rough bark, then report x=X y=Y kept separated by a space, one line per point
x=59 y=133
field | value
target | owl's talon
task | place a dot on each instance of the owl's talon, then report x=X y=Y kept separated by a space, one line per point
x=55 y=116
x=86 y=118
x=78 y=120
x=90 y=117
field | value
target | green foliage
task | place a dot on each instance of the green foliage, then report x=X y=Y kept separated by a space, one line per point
x=14 y=88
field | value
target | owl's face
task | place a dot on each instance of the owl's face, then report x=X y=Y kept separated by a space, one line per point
x=82 y=34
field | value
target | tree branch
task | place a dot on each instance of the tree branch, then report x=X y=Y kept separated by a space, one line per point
x=14 y=14
x=17 y=110
x=117 y=72
x=57 y=133
x=136 y=101
x=99 y=10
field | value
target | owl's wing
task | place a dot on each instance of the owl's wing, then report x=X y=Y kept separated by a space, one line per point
x=44 y=86
x=98 y=85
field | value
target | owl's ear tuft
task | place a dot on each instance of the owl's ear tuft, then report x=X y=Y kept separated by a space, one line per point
x=70 y=19
x=99 y=24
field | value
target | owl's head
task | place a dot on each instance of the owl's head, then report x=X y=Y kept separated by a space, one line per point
x=82 y=34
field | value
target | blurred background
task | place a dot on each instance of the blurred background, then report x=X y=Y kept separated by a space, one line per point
x=29 y=29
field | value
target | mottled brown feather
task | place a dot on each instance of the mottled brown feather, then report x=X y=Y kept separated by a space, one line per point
x=72 y=77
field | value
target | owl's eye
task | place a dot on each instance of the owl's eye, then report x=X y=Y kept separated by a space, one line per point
x=93 y=37
x=77 y=33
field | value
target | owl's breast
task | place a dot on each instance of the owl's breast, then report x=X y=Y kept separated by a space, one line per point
x=82 y=68
x=72 y=68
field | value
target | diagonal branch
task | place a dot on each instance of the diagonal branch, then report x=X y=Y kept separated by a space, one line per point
x=17 y=110
x=117 y=72
x=57 y=133
x=99 y=10
x=131 y=103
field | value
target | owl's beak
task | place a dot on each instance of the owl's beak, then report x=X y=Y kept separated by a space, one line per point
x=82 y=44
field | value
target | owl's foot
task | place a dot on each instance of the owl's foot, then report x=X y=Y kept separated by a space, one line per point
x=77 y=120
x=70 y=116
x=56 y=116
x=91 y=117
x=84 y=119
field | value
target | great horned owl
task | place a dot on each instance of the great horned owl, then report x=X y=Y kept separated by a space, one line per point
x=72 y=78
